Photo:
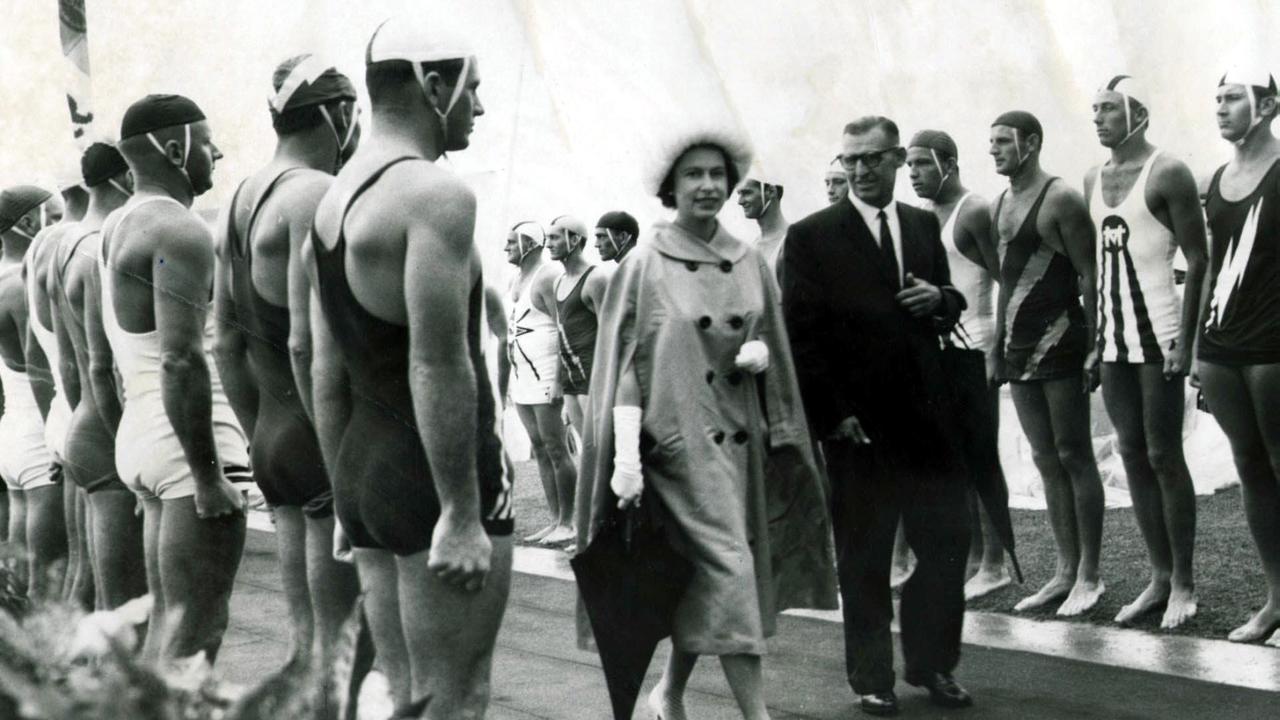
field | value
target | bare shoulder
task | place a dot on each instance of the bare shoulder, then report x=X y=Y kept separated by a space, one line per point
x=1062 y=199
x=1170 y=174
x=301 y=193
x=977 y=209
x=598 y=280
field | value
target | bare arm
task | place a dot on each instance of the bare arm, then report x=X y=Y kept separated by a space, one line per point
x=181 y=298
x=102 y=369
x=1074 y=231
x=38 y=372
x=231 y=345
x=975 y=240
x=68 y=367
x=1182 y=198
x=496 y=314
x=299 y=281
x=438 y=275
x=331 y=392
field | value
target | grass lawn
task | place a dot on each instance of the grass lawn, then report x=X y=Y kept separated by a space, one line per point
x=1228 y=574
x=1229 y=578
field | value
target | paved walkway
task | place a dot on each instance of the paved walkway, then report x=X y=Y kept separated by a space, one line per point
x=539 y=673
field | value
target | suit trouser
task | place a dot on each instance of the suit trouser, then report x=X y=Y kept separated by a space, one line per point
x=868 y=498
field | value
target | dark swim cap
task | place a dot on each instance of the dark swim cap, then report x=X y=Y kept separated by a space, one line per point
x=935 y=140
x=306 y=80
x=155 y=112
x=1022 y=121
x=100 y=163
x=619 y=221
x=18 y=201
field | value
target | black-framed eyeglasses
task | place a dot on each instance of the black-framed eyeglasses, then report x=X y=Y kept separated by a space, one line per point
x=870 y=160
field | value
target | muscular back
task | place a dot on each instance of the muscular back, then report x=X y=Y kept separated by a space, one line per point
x=158 y=237
x=292 y=203
x=377 y=226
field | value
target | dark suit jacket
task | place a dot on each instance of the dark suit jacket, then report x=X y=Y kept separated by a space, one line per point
x=857 y=352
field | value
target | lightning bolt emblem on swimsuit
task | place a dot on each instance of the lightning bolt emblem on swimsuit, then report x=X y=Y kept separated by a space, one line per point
x=1234 y=266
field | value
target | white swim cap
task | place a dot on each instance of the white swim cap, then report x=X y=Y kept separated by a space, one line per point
x=1129 y=89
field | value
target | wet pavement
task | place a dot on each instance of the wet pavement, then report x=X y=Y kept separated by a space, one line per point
x=1015 y=668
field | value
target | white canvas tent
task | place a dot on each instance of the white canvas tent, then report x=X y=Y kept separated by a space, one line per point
x=578 y=93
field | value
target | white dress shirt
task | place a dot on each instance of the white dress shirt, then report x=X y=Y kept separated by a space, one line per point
x=871 y=215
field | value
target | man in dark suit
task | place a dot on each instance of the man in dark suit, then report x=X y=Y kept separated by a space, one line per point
x=866 y=292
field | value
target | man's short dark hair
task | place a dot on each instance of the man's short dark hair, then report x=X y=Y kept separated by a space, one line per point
x=666 y=191
x=385 y=79
x=867 y=123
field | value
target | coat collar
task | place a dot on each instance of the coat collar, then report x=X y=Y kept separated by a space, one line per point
x=677 y=243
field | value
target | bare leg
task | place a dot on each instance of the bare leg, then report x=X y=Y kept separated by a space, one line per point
x=18 y=533
x=992 y=574
x=1069 y=415
x=378 y=579
x=546 y=470
x=1243 y=400
x=46 y=540
x=152 y=515
x=904 y=562
x=74 y=537
x=667 y=699
x=551 y=429
x=747 y=683
x=291 y=541
x=333 y=587
x=451 y=633
x=119 y=566
x=198 y=563
x=1033 y=414
x=82 y=586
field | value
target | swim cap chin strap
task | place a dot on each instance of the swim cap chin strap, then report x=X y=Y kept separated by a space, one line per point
x=1128 y=120
x=342 y=140
x=934 y=154
x=453 y=99
x=1254 y=118
x=123 y=190
x=186 y=151
x=617 y=249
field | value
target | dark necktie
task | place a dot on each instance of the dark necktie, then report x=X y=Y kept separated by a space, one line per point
x=886 y=249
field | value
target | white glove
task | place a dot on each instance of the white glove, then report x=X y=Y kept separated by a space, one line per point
x=753 y=357
x=627 y=480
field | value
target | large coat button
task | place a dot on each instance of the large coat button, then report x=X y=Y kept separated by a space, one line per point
x=735 y=322
x=711 y=375
x=704 y=322
x=726 y=266
x=718 y=437
x=691 y=266
x=741 y=437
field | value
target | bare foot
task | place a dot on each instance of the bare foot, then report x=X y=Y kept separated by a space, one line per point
x=1152 y=598
x=540 y=534
x=1266 y=621
x=664 y=707
x=902 y=573
x=1083 y=597
x=986 y=582
x=1182 y=607
x=1055 y=589
x=563 y=533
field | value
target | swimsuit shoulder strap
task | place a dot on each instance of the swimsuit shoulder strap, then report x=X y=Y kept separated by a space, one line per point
x=242 y=246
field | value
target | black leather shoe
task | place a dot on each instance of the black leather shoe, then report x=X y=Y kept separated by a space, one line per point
x=881 y=704
x=943 y=689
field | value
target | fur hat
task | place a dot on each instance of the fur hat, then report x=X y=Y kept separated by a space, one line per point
x=677 y=142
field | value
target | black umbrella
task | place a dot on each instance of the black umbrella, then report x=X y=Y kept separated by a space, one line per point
x=631 y=580
x=965 y=368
